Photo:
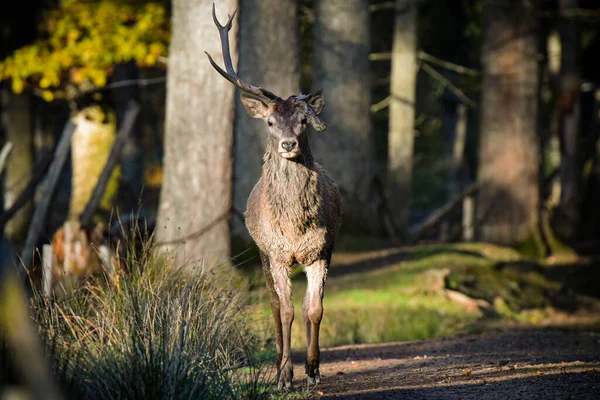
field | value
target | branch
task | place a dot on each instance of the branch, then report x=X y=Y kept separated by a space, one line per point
x=572 y=13
x=421 y=55
x=383 y=56
x=39 y=216
x=447 y=64
x=449 y=85
x=115 y=85
x=128 y=122
x=29 y=191
x=375 y=108
x=386 y=5
x=4 y=154
x=438 y=215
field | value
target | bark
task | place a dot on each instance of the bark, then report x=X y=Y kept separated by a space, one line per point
x=571 y=165
x=402 y=112
x=509 y=153
x=270 y=58
x=132 y=152
x=341 y=68
x=193 y=216
x=90 y=148
x=17 y=129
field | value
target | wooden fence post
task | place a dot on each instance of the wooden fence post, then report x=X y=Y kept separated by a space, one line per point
x=47 y=268
x=468 y=219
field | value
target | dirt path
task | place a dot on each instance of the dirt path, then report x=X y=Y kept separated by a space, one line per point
x=530 y=364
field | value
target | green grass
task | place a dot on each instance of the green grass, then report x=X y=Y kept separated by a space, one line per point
x=389 y=295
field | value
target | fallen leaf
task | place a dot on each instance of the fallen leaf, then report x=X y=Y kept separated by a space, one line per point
x=467 y=372
x=321 y=393
x=538 y=372
x=417 y=370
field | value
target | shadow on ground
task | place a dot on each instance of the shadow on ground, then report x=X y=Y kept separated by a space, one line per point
x=532 y=363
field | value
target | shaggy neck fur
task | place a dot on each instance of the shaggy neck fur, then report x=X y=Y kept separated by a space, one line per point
x=292 y=191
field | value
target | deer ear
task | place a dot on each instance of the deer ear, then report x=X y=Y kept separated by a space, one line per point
x=255 y=107
x=316 y=102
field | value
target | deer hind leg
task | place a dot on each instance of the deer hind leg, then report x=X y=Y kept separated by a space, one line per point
x=283 y=287
x=312 y=308
x=275 y=306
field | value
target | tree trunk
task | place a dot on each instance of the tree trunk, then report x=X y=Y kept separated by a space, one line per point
x=17 y=129
x=270 y=58
x=509 y=151
x=402 y=112
x=132 y=154
x=341 y=68
x=91 y=144
x=193 y=216
x=571 y=165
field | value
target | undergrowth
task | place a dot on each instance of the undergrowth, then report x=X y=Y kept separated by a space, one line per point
x=151 y=331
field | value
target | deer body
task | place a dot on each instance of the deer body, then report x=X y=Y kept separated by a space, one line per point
x=294 y=211
x=293 y=214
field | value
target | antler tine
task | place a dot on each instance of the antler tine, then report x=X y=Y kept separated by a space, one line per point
x=231 y=75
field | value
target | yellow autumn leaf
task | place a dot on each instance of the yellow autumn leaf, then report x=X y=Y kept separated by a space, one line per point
x=17 y=85
x=45 y=82
x=47 y=95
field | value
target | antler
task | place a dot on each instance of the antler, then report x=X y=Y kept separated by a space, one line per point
x=231 y=75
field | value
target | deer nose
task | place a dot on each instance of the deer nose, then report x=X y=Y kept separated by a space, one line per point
x=288 y=145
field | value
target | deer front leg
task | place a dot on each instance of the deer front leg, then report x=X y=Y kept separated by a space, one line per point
x=283 y=287
x=275 y=306
x=312 y=308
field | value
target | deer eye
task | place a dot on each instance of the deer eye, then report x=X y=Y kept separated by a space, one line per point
x=270 y=123
x=303 y=121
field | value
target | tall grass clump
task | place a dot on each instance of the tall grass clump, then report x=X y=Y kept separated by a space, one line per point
x=150 y=331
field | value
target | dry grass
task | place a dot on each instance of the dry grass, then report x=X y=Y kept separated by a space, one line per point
x=151 y=332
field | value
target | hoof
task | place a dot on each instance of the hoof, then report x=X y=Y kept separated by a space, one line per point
x=313 y=376
x=285 y=377
x=314 y=380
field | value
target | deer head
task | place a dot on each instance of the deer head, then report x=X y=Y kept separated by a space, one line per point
x=286 y=119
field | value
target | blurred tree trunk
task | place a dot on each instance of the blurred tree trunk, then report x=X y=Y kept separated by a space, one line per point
x=91 y=144
x=269 y=57
x=193 y=216
x=341 y=68
x=17 y=129
x=402 y=112
x=509 y=149
x=132 y=155
x=568 y=215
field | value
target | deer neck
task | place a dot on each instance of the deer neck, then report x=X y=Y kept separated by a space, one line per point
x=291 y=186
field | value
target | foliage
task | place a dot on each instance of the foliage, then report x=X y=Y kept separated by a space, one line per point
x=153 y=332
x=83 y=41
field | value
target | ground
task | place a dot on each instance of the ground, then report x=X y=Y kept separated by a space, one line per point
x=521 y=364
x=528 y=328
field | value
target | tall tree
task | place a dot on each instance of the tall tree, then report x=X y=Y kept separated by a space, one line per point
x=17 y=128
x=269 y=57
x=19 y=28
x=509 y=151
x=193 y=219
x=402 y=111
x=569 y=109
x=341 y=68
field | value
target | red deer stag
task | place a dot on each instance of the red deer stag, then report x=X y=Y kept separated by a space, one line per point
x=294 y=211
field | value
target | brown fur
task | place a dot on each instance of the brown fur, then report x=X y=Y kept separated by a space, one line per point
x=294 y=211
x=293 y=214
